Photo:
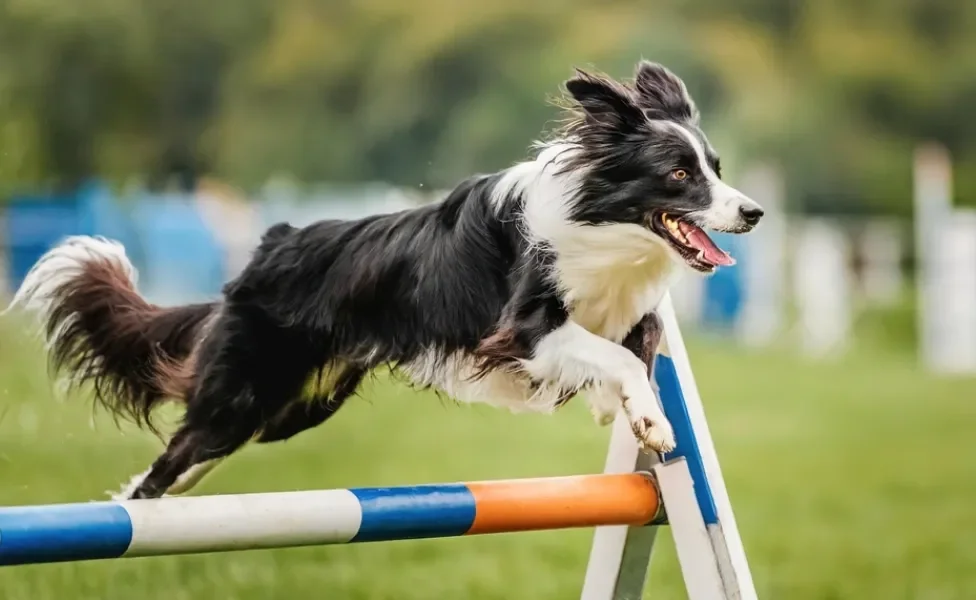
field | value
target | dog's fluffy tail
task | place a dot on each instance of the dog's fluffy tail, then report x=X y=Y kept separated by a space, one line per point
x=99 y=330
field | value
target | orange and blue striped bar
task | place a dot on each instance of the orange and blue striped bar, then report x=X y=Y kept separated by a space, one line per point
x=101 y=530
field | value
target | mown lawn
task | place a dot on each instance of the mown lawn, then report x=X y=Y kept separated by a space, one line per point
x=853 y=480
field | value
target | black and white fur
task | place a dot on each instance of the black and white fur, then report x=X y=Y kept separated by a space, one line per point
x=519 y=289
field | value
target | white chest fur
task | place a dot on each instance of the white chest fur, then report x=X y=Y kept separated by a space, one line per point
x=612 y=276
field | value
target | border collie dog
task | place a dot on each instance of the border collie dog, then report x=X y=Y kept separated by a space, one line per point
x=520 y=289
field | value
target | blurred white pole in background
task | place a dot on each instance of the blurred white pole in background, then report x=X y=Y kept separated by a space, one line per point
x=881 y=249
x=932 y=204
x=946 y=267
x=234 y=222
x=764 y=272
x=952 y=304
x=822 y=287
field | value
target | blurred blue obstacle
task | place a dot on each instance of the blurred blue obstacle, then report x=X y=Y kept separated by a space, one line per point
x=179 y=256
x=34 y=223
x=166 y=237
x=182 y=257
x=31 y=226
x=723 y=293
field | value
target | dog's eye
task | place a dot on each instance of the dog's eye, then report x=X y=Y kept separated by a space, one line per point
x=679 y=174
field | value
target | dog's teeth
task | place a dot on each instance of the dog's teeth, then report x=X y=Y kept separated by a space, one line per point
x=674 y=229
x=677 y=233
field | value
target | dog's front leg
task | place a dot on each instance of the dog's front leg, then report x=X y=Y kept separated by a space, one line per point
x=537 y=336
x=642 y=341
x=574 y=357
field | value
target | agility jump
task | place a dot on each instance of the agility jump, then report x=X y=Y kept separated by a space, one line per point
x=637 y=493
x=99 y=530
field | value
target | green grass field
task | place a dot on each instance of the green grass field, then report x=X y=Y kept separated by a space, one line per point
x=854 y=480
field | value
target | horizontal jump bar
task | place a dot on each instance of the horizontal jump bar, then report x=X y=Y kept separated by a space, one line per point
x=187 y=525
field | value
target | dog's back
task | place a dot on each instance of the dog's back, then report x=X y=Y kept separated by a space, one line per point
x=390 y=284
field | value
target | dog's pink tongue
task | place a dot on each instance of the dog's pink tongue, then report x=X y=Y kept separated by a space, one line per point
x=710 y=253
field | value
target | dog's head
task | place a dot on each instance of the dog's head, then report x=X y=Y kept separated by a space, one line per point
x=647 y=162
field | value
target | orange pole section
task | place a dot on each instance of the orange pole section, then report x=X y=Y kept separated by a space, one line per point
x=562 y=502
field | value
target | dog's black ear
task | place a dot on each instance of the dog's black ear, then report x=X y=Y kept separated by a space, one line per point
x=605 y=101
x=662 y=94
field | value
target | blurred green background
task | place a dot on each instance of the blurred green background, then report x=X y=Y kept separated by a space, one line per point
x=427 y=91
x=851 y=478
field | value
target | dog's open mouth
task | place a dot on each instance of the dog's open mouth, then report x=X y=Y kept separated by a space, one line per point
x=690 y=242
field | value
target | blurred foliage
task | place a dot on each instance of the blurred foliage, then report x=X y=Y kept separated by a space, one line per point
x=424 y=92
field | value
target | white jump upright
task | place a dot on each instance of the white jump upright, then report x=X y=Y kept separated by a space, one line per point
x=696 y=502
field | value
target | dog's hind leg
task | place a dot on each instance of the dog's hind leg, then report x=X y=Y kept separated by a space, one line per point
x=197 y=443
x=241 y=386
x=196 y=449
x=183 y=483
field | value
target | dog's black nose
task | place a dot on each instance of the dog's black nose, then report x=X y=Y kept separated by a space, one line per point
x=751 y=214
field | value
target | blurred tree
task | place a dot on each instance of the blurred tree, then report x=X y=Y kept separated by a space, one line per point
x=846 y=89
x=425 y=92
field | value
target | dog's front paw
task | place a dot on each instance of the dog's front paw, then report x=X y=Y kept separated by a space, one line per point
x=656 y=436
